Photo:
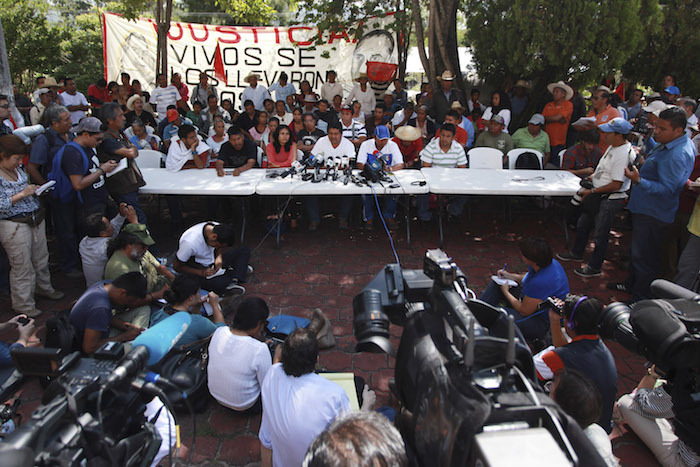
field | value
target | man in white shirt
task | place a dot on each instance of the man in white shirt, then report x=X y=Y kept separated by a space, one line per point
x=353 y=130
x=164 y=95
x=380 y=153
x=331 y=87
x=75 y=101
x=443 y=151
x=329 y=147
x=403 y=116
x=608 y=195
x=298 y=404
x=187 y=150
x=363 y=94
x=688 y=104
x=254 y=92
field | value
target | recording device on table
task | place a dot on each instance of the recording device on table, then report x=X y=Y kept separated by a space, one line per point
x=465 y=377
x=93 y=410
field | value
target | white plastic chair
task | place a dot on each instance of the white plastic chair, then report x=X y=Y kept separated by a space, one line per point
x=561 y=157
x=149 y=159
x=514 y=153
x=485 y=158
x=260 y=156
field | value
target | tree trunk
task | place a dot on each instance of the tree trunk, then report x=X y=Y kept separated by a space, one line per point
x=420 y=40
x=163 y=23
x=5 y=76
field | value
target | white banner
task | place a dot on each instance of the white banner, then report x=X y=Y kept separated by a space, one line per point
x=130 y=46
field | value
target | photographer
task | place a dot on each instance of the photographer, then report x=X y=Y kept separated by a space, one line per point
x=25 y=332
x=545 y=278
x=648 y=411
x=578 y=347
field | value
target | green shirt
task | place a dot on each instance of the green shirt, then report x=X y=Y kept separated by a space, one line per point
x=120 y=264
x=502 y=142
x=523 y=139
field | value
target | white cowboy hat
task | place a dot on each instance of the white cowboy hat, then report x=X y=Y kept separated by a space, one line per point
x=132 y=99
x=407 y=133
x=562 y=85
x=446 y=76
x=250 y=75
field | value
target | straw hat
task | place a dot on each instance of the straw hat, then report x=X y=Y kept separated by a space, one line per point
x=132 y=99
x=362 y=75
x=250 y=75
x=49 y=82
x=407 y=133
x=446 y=76
x=521 y=83
x=561 y=84
x=456 y=105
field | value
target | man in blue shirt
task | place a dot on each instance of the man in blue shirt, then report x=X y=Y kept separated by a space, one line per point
x=654 y=199
x=282 y=88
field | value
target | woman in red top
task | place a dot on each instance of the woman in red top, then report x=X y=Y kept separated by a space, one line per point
x=282 y=150
x=297 y=124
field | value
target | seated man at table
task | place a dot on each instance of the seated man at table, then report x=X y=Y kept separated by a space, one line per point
x=187 y=150
x=495 y=137
x=545 y=278
x=206 y=250
x=239 y=153
x=329 y=147
x=443 y=152
x=582 y=158
x=410 y=144
x=380 y=153
x=532 y=137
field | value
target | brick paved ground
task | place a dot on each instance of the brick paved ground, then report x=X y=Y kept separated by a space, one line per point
x=327 y=268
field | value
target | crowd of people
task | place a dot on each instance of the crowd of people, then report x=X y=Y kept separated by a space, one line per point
x=640 y=155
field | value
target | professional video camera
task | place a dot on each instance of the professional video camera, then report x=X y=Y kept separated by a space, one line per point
x=93 y=412
x=667 y=332
x=464 y=374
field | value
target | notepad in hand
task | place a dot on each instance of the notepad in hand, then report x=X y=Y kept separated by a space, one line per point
x=45 y=187
x=121 y=165
x=584 y=121
x=218 y=273
x=503 y=280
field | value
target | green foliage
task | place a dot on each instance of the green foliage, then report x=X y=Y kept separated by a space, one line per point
x=672 y=46
x=81 y=56
x=544 y=40
x=248 y=12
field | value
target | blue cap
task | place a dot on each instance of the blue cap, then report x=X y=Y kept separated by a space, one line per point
x=382 y=132
x=616 y=125
x=673 y=90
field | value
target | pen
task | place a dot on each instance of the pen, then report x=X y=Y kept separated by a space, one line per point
x=505 y=265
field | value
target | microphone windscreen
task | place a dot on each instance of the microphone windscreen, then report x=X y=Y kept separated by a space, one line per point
x=159 y=339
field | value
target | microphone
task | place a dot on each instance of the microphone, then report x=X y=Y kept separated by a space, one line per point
x=296 y=166
x=150 y=346
x=330 y=163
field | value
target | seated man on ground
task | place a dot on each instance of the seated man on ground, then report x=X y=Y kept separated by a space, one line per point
x=533 y=137
x=578 y=346
x=238 y=153
x=235 y=383
x=443 y=152
x=184 y=296
x=187 y=150
x=298 y=404
x=206 y=251
x=495 y=137
x=582 y=158
x=580 y=399
x=91 y=315
x=93 y=247
x=545 y=278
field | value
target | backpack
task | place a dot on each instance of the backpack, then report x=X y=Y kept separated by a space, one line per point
x=63 y=190
x=528 y=160
x=60 y=333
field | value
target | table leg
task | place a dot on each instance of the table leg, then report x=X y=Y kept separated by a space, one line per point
x=408 y=221
x=245 y=216
x=278 y=224
x=442 y=238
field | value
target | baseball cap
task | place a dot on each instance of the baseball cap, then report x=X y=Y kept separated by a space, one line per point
x=537 y=119
x=310 y=98
x=172 y=115
x=382 y=132
x=673 y=90
x=656 y=107
x=141 y=231
x=616 y=125
x=498 y=119
x=90 y=125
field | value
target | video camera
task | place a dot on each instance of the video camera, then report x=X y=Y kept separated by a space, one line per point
x=93 y=410
x=464 y=375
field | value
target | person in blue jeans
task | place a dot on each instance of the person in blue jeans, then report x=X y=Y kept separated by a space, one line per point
x=184 y=296
x=545 y=278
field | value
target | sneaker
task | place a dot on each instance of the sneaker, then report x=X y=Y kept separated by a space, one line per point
x=250 y=270
x=618 y=287
x=54 y=295
x=569 y=256
x=234 y=289
x=588 y=271
x=343 y=224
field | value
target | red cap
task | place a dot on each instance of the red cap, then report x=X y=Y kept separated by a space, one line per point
x=172 y=115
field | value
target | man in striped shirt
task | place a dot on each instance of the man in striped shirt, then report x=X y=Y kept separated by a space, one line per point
x=163 y=96
x=352 y=129
x=443 y=152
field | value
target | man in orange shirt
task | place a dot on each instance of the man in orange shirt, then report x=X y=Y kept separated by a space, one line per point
x=461 y=135
x=603 y=113
x=557 y=115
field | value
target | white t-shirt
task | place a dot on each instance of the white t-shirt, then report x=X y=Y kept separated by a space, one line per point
x=163 y=97
x=236 y=382
x=611 y=167
x=179 y=154
x=601 y=441
x=77 y=99
x=692 y=120
x=505 y=113
x=214 y=146
x=323 y=147
x=285 y=119
x=193 y=245
x=330 y=90
x=390 y=150
x=93 y=253
x=295 y=411
x=366 y=99
x=398 y=117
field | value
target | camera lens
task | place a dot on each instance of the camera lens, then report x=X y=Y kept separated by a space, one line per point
x=371 y=324
x=615 y=325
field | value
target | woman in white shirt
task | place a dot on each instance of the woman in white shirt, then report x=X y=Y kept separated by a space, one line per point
x=239 y=360
x=218 y=138
x=500 y=105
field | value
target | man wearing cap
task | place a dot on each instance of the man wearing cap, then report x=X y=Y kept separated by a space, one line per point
x=164 y=95
x=255 y=92
x=363 y=94
x=353 y=130
x=408 y=139
x=75 y=101
x=634 y=104
x=607 y=197
x=203 y=90
x=532 y=136
x=557 y=116
x=86 y=194
x=380 y=151
x=135 y=111
x=495 y=137
x=175 y=121
x=654 y=199
x=443 y=98
x=671 y=94
x=45 y=100
x=602 y=111
x=650 y=116
x=443 y=152
x=310 y=102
